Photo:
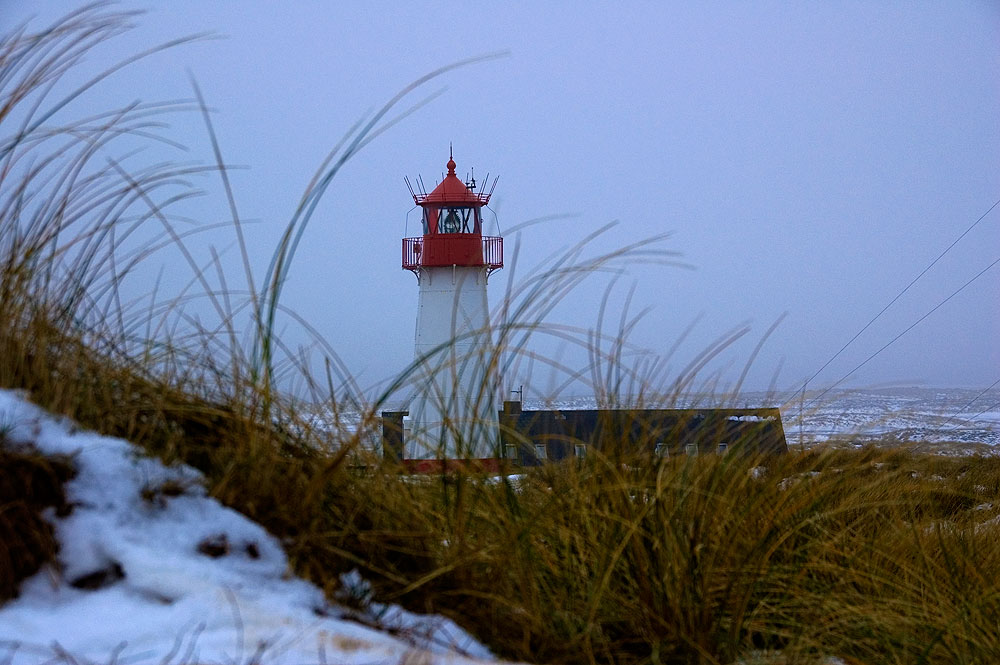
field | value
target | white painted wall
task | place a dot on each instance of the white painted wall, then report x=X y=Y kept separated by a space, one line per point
x=454 y=411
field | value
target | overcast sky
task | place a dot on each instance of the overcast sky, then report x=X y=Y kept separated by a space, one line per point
x=806 y=158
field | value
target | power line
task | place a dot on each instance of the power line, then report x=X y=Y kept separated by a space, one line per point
x=971 y=418
x=900 y=295
x=971 y=402
x=911 y=327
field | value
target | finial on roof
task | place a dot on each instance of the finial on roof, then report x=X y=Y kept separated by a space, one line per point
x=451 y=160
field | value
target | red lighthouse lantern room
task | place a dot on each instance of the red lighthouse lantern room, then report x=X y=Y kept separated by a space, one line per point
x=453 y=228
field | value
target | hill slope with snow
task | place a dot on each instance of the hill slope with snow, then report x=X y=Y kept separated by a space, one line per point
x=152 y=570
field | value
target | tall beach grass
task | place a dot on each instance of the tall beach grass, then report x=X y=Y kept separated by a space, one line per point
x=869 y=556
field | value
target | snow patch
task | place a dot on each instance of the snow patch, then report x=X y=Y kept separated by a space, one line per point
x=174 y=577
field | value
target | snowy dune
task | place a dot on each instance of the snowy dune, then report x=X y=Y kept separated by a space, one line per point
x=182 y=579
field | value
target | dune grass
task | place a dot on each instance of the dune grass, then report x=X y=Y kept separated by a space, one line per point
x=870 y=556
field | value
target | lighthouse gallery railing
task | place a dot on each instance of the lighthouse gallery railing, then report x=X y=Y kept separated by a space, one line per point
x=492 y=253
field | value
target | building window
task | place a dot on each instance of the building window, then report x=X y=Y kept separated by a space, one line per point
x=662 y=450
x=540 y=452
x=723 y=447
x=580 y=450
x=512 y=452
x=452 y=220
x=691 y=449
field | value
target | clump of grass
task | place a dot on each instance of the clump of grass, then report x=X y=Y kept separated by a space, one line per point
x=29 y=484
x=690 y=560
x=871 y=556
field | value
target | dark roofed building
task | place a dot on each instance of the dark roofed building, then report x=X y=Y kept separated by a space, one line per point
x=532 y=437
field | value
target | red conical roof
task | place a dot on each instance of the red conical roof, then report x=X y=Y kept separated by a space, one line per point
x=452 y=191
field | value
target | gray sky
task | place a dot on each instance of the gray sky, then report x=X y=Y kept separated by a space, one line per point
x=808 y=159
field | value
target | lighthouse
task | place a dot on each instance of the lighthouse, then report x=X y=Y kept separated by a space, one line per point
x=453 y=410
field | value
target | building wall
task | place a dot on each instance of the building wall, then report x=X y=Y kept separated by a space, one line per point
x=664 y=432
x=652 y=431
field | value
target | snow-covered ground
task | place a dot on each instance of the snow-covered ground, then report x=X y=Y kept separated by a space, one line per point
x=174 y=578
x=947 y=416
x=940 y=415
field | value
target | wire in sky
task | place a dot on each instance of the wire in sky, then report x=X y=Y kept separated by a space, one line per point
x=911 y=327
x=898 y=296
x=971 y=402
x=971 y=418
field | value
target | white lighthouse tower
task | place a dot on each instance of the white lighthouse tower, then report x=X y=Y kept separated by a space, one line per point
x=453 y=414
